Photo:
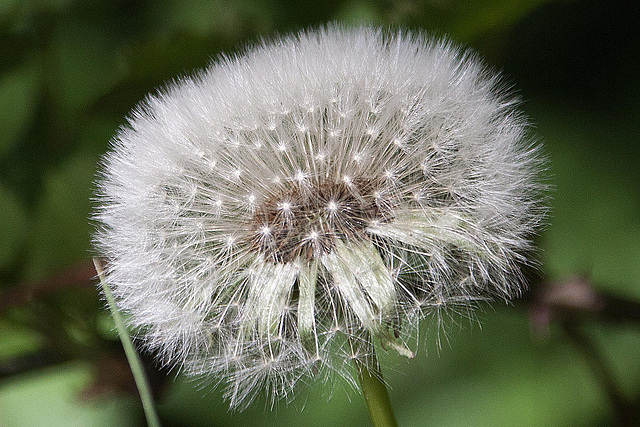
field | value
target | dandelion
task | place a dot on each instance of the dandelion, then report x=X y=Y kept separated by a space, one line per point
x=281 y=213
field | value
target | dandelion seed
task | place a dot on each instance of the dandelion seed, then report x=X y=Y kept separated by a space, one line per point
x=354 y=192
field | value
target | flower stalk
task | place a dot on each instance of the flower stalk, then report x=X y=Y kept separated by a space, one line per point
x=137 y=370
x=375 y=393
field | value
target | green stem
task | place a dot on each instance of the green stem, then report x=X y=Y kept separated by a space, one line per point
x=375 y=393
x=134 y=361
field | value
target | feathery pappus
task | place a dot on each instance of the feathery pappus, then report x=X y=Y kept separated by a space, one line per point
x=285 y=210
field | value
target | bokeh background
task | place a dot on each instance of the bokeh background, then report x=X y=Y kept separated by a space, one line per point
x=568 y=354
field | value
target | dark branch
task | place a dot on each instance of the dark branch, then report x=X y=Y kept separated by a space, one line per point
x=624 y=409
x=80 y=275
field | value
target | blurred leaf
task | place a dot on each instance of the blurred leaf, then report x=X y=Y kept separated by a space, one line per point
x=159 y=59
x=60 y=232
x=498 y=376
x=317 y=405
x=595 y=222
x=19 y=92
x=17 y=340
x=228 y=19
x=462 y=21
x=6 y=8
x=51 y=398
x=85 y=63
x=359 y=12
x=198 y=17
x=48 y=5
x=473 y=18
x=13 y=227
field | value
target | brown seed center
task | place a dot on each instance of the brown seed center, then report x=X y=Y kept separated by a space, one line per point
x=305 y=221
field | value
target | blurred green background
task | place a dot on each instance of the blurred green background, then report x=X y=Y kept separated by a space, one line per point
x=70 y=71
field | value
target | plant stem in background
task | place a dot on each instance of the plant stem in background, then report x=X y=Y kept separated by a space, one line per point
x=134 y=361
x=376 y=394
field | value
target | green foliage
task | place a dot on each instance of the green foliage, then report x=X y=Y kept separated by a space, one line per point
x=12 y=232
x=595 y=226
x=51 y=397
x=19 y=91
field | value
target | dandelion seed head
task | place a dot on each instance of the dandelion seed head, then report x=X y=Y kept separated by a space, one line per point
x=284 y=211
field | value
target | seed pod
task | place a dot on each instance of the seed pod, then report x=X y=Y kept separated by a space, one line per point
x=280 y=213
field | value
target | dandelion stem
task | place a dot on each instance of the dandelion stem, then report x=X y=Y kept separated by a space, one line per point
x=134 y=361
x=375 y=393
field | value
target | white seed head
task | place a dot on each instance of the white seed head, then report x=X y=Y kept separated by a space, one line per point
x=283 y=211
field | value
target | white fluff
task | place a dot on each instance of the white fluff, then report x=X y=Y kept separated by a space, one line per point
x=284 y=210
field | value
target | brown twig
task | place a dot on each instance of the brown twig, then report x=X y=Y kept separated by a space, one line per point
x=80 y=275
x=573 y=302
x=578 y=299
x=624 y=409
